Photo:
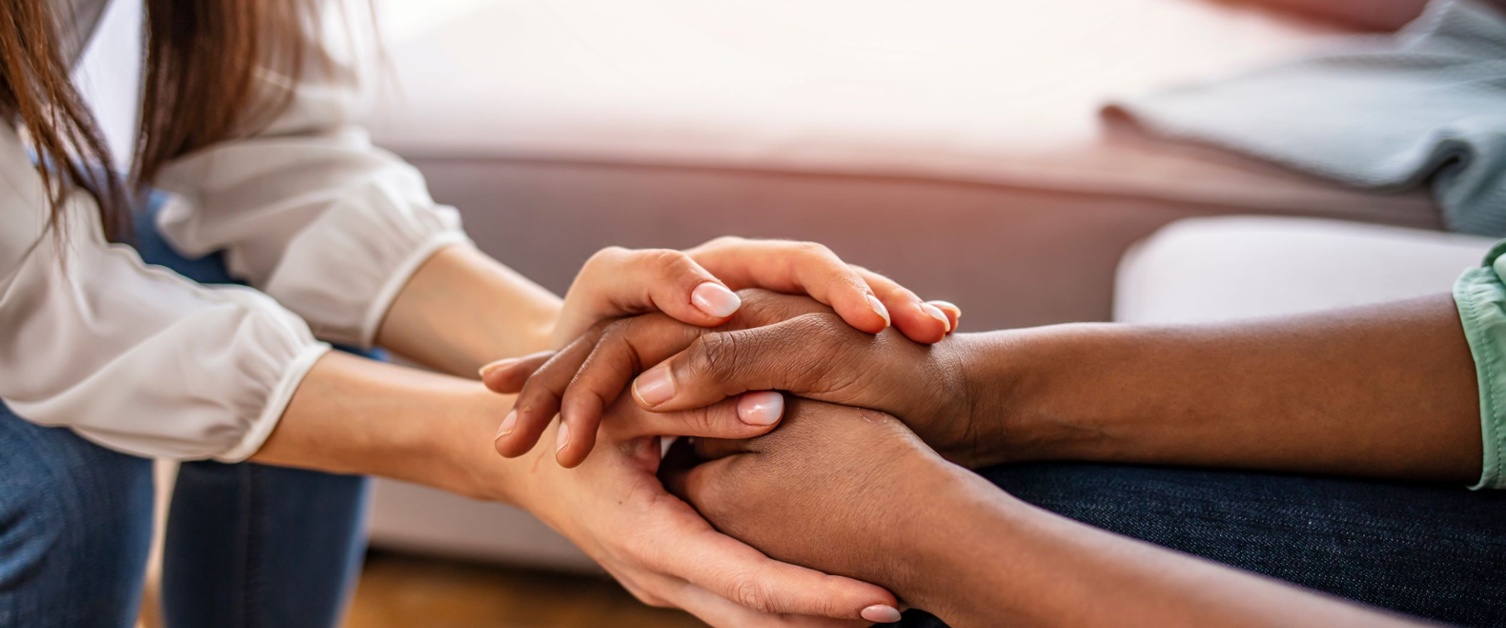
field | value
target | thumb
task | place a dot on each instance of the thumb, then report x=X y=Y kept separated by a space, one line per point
x=508 y=375
x=795 y=355
x=619 y=282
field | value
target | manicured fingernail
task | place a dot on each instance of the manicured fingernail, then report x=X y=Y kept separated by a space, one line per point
x=563 y=437
x=715 y=299
x=880 y=614
x=936 y=313
x=761 y=408
x=948 y=306
x=497 y=366
x=508 y=423
x=878 y=308
x=654 y=386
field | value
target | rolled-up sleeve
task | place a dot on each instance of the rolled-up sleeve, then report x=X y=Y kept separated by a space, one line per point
x=133 y=357
x=1480 y=295
x=308 y=210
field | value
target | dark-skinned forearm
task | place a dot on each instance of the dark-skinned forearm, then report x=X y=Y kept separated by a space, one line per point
x=1382 y=391
x=1008 y=563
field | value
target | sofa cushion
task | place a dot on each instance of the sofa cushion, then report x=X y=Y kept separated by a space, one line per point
x=1212 y=269
x=994 y=92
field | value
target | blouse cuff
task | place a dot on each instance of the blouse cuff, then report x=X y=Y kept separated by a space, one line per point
x=277 y=403
x=1481 y=298
x=377 y=312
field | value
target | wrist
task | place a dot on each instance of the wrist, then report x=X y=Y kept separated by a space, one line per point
x=968 y=515
x=462 y=309
x=990 y=374
x=1003 y=554
x=463 y=442
x=1015 y=381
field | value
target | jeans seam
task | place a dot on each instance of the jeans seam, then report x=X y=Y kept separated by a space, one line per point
x=256 y=524
x=240 y=605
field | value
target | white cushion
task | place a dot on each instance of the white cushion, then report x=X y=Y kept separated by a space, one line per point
x=1212 y=269
x=974 y=90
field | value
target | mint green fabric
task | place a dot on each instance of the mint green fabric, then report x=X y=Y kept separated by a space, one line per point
x=1425 y=106
x=1481 y=295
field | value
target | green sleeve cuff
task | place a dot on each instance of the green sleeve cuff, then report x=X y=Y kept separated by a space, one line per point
x=1481 y=297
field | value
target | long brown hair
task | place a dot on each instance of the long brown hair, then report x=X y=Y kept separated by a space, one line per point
x=208 y=64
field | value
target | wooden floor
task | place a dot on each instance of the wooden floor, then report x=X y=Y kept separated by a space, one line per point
x=401 y=591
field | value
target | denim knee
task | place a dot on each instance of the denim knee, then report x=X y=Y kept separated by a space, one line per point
x=75 y=529
x=1381 y=543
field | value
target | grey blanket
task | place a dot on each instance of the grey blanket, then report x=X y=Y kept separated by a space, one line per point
x=1426 y=105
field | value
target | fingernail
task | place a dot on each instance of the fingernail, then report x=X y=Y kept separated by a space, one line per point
x=936 y=313
x=508 y=423
x=761 y=408
x=497 y=366
x=563 y=437
x=948 y=305
x=715 y=299
x=654 y=386
x=878 y=308
x=880 y=614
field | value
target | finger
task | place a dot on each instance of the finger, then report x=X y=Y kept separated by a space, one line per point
x=648 y=598
x=619 y=282
x=747 y=416
x=913 y=317
x=508 y=376
x=539 y=400
x=793 y=355
x=602 y=376
x=627 y=345
x=739 y=573
x=764 y=307
x=719 y=611
x=953 y=313
x=796 y=267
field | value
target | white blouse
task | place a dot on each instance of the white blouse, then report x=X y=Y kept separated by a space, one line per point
x=139 y=359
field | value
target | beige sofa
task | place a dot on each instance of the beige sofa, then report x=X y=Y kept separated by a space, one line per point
x=955 y=145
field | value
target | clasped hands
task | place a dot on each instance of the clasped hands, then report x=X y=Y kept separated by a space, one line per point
x=765 y=515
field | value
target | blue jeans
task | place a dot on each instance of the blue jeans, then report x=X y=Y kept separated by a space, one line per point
x=1437 y=552
x=247 y=545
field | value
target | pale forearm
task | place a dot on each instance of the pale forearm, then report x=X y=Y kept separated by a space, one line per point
x=463 y=309
x=358 y=416
x=1384 y=391
x=1004 y=562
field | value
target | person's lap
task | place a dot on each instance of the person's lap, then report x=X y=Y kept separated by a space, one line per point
x=246 y=544
x=75 y=528
x=1437 y=552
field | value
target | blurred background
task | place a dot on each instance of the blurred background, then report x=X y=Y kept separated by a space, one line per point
x=959 y=146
